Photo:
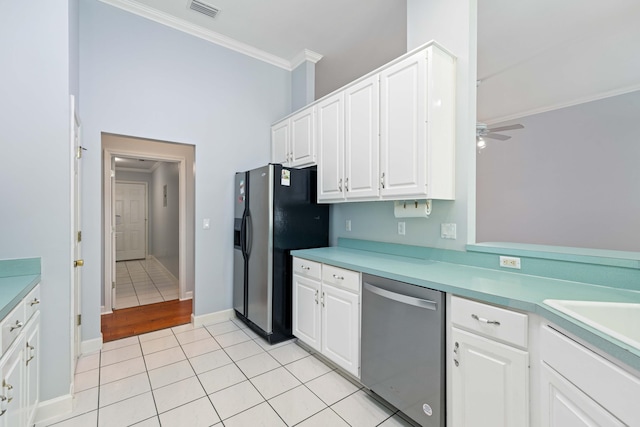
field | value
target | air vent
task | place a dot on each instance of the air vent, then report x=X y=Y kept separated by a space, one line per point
x=204 y=8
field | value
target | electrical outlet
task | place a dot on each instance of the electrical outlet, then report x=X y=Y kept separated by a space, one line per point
x=510 y=262
x=401 y=228
x=448 y=231
x=347 y=225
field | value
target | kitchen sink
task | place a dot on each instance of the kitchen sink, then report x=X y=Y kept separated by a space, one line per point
x=618 y=319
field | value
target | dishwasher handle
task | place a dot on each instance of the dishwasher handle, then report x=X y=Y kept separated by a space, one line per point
x=404 y=299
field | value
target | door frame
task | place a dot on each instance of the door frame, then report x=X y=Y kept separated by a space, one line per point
x=146 y=211
x=75 y=154
x=109 y=217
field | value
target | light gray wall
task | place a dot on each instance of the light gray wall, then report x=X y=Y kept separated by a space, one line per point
x=303 y=79
x=569 y=178
x=451 y=23
x=146 y=80
x=165 y=228
x=36 y=79
x=379 y=46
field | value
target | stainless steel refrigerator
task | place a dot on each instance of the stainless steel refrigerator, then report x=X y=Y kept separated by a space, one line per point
x=275 y=212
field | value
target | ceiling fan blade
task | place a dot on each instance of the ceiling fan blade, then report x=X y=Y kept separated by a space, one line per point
x=497 y=136
x=503 y=128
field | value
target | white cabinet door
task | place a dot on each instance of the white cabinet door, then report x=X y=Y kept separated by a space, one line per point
x=403 y=128
x=331 y=149
x=303 y=138
x=362 y=118
x=565 y=405
x=306 y=311
x=490 y=387
x=280 y=142
x=340 y=328
x=32 y=367
x=11 y=394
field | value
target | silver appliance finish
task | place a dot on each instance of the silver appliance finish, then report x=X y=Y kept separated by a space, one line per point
x=260 y=248
x=238 y=257
x=402 y=347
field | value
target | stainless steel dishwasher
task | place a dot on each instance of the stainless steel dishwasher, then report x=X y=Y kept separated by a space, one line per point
x=402 y=357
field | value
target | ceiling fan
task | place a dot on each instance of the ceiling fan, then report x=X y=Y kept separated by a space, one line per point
x=483 y=131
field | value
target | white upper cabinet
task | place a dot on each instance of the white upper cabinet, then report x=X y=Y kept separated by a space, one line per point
x=417 y=134
x=361 y=139
x=330 y=130
x=280 y=142
x=293 y=140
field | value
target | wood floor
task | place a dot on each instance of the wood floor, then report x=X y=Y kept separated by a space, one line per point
x=132 y=321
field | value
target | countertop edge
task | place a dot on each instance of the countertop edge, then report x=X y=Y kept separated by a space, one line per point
x=30 y=282
x=616 y=349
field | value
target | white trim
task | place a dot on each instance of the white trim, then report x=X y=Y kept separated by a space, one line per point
x=138 y=170
x=91 y=346
x=187 y=296
x=104 y=310
x=305 y=55
x=218 y=316
x=594 y=97
x=197 y=31
x=54 y=408
x=109 y=153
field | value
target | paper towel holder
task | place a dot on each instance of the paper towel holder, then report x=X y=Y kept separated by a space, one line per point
x=412 y=208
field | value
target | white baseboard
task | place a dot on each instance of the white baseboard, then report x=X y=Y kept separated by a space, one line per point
x=188 y=295
x=218 y=316
x=54 y=407
x=91 y=346
x=105 y=310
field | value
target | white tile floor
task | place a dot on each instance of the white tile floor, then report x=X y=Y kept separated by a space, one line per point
x=218 y=375
x=143 y=282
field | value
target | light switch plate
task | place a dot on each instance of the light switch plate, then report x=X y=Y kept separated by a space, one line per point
x=401 y=228
x=206 y=224
x=347 y=225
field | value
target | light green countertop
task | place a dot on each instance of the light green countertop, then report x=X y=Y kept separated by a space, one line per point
x=519 y=291
x=17 y=279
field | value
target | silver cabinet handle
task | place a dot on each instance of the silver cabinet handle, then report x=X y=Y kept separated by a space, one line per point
x=382 y=180
x=316 y=297
x=34 y=302
x=3 y=405
x=322 y=299
x=338 y=277
x=456 y=348
x=340 y=185
x=483 y=320
x=346 y=184
x=31 y=353
x=304 y=267
x=16 y=326
x=9 y=388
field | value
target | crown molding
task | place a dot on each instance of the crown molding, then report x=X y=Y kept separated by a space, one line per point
x=305 y=55
x=590 y=98
x=200 y=32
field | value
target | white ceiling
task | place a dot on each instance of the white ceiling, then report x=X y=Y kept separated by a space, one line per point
x=354 y=36
x=540 y=55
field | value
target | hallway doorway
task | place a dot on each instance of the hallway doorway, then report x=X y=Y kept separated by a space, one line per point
x=148 y=194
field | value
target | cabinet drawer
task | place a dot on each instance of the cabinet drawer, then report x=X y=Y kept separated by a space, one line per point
x=306 y=268
x=493 y=322
x=345 y=279
x=32 y=302
x=12 y=326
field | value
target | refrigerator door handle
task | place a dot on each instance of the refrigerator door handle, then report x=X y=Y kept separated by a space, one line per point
x=249 y=235
x=243 y=232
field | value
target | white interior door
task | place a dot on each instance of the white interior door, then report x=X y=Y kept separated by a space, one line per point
x=131 y=221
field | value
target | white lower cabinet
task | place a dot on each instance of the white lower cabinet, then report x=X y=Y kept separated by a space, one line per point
x=489 y=373
x=19 y=364
x=581 y=388
x=326 y=311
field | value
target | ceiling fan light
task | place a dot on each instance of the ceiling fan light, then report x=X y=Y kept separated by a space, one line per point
x=481 y=143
